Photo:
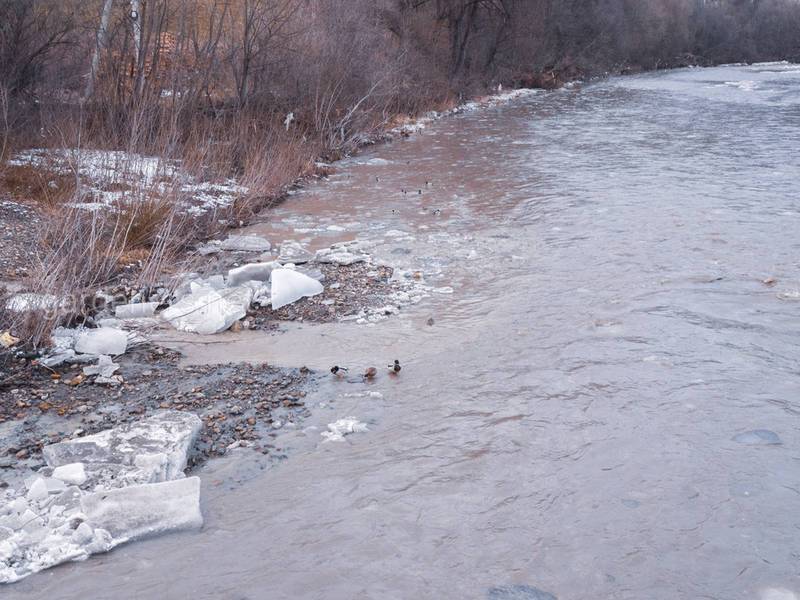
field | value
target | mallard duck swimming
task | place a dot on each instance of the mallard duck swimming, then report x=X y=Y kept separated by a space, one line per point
x=338 y=371
x=395 y=368
x=370 y=373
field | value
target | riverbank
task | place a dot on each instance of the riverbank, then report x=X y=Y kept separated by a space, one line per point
x=606 y=253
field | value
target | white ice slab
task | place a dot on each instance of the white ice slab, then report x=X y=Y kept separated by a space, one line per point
x=289 y=286
x=208 y=311
x=72 y=473
x=106 y=340
x=246 y=243
x=157 y=446
x=253 y=272
x=140 y=510
x=136 y=311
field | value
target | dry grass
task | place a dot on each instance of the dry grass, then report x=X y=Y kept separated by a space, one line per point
x=46 y=189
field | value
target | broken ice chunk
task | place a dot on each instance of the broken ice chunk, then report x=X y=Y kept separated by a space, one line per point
x=106 y=340
x=252 y=272
x=30 y=302
x=159 y=444
x=289 y=286
x=208 y=311
x=246 y=243
x=105 y=367
x=338 y=256
x=73 y=473
x=294 y=252
x=140 y=510
x=311 y=272
x=38 y=490
x=136 y=311
x=338 y=429
x=57 y=358
x=83 y=534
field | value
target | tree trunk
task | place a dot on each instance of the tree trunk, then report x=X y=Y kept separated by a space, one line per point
x=102 y=34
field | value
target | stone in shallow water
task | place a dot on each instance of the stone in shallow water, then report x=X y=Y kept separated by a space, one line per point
x=140 y=510
x=518 y=592
x=158 y=446
x=758 y=437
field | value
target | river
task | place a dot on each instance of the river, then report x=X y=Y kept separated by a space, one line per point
x=596 y=338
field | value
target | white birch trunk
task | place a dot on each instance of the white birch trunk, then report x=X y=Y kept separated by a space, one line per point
x=102 y=34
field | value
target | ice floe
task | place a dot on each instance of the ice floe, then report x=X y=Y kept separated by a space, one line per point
x=100 y=491
x=339 y=429
x=245 y=243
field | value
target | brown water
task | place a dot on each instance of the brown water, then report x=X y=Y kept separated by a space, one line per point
x=567 y=421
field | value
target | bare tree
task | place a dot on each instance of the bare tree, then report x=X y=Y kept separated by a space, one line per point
x=102 y=36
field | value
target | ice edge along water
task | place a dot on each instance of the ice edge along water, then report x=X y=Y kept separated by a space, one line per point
x=100 y=491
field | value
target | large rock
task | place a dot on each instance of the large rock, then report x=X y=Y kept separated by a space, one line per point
x=208 y=311
x=141 y=510
x=157 y=447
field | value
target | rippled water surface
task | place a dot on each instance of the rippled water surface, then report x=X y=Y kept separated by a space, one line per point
x=568 y=420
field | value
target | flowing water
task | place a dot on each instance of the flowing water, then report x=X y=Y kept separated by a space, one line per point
x=601 y=335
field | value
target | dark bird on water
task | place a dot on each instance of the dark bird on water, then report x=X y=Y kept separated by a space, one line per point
x=370 y=373
x=395 y=368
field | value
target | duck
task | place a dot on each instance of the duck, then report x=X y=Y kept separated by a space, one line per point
x=395 y=368
x=370 y=373
x=338 y=371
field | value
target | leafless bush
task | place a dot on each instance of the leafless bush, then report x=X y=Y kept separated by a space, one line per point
x=256 y=90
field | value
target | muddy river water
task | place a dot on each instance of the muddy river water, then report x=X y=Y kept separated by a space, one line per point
x=571 y=419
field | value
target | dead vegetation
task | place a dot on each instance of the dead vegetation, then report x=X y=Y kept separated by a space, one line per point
x=192 y=99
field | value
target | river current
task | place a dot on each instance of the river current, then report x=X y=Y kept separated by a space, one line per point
x=577 y=390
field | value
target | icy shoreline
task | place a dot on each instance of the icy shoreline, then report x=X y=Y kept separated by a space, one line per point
x=100 y=491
